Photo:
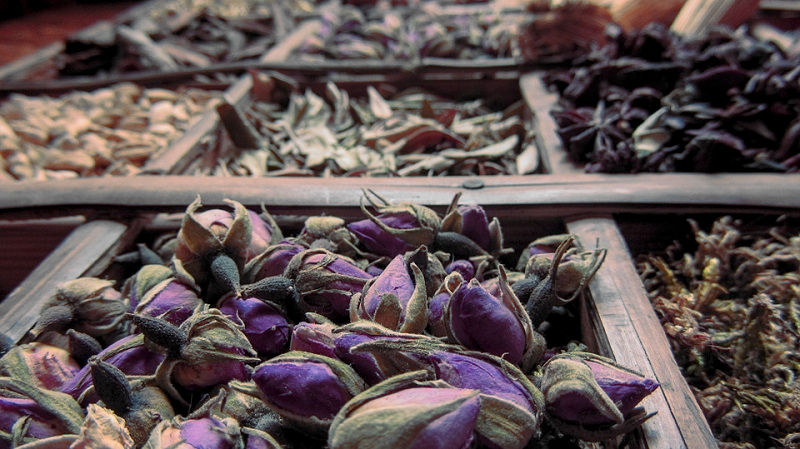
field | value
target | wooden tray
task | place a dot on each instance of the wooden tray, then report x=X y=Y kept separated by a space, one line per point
x=88 y=251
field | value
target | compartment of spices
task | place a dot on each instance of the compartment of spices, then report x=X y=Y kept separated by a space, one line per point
x=648 y=100
x=110 y=131
x=173 y=36
x=446 y=315
x=425 y=30
x=725 y=289
x=378 y=127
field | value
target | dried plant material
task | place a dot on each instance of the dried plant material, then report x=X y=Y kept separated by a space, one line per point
x=408 y=34
x=108 y=131
x=731 y=311
x=649 y=101
x=181 y=34
x=560 y=33
x=413 y=133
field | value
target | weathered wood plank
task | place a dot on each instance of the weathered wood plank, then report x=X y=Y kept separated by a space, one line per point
x=680 y=192
x=85 y=252
x=541 y=101
x=636 y=339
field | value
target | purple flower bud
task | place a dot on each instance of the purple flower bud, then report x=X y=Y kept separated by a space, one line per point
x=625 y=387
x=42 y=423
x=381 y=242
x=463 y=266
x=239 y=235
x=264 y=325
x=307 y=389
x=475 y=225
x=272 y=262
x=129 y=354
x=587 y=389
x=201 y=433
x=464 y=371
x=317 y=338
x=394 y=299
x=171 y=300
x=478 y=320
x=326 y=281
x=436 y=306
x=49 y=413
x=414 y=418
x=39 y=364
x=363 y=363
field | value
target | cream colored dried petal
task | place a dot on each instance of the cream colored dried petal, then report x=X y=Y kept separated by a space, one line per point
x=102 y=429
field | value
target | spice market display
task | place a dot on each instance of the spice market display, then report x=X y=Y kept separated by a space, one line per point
x=466 y=224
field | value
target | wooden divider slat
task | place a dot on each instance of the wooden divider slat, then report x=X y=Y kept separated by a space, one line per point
x=84 y=252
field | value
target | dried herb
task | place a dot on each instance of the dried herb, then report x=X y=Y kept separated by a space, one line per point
x=412 y=133
x=649 y=101
x=111 y=131
x=408 y=34
x=731 y=311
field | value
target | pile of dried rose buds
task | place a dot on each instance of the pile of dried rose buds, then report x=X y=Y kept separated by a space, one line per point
x=400 y=330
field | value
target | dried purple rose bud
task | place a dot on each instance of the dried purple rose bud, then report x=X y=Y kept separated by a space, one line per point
x=207 y=349
x=102 y=428
x=89 y=305
x=408 y=411
x=313 y=337
x=201 y=433
x=438 y=304
x=498 y=325
x=271 y=262
x=155 y=291
x=257 y=439
x=45 y=413
x=39 y=364
x=576 y=270
x=307 y=389
x=129 y=354
x=511 y=406
x=397 y=228
x=394 y=299
x=325 y=281
x=593 y=398
x=262 y=323
x=474 y=235
x=213 y=246
x=464 y=267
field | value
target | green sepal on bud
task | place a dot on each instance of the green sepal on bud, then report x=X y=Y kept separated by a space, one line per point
x=236 y=399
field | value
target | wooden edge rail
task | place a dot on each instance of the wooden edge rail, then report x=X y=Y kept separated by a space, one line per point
x=421 y=67
x=86 y=251
x=589 y=191
x=635 y=338
x=541 y=101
